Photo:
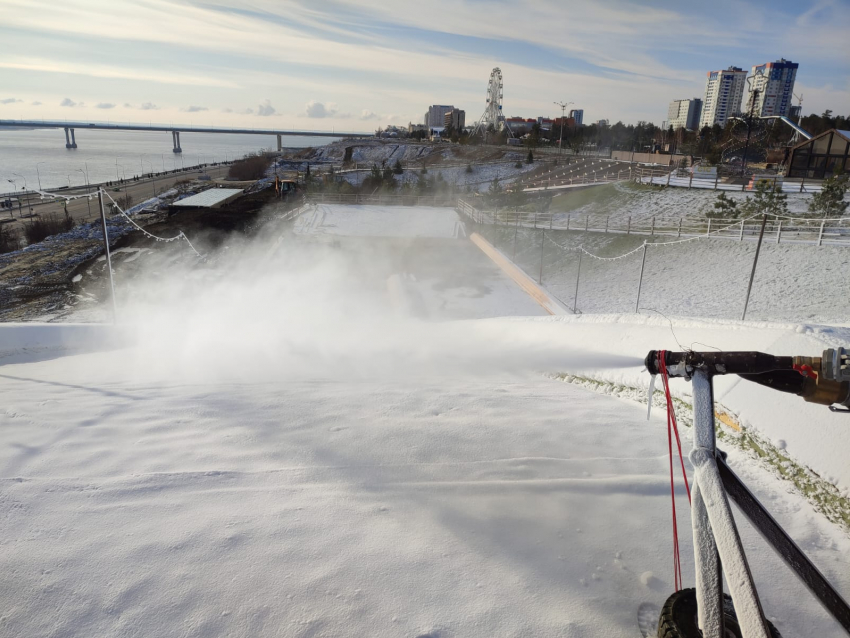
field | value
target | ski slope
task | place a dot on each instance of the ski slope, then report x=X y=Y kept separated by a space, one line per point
x=273 y=445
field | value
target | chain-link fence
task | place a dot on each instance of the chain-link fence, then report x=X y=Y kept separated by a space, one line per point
x=706 y=275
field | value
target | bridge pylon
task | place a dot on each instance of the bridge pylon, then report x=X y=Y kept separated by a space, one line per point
x=175 y=138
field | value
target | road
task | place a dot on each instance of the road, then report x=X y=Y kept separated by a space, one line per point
x=82 y=210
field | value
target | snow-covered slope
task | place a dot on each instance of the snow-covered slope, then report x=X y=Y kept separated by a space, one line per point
x=140 y=502
x=295 y=439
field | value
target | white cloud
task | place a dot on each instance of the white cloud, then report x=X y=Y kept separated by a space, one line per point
x=10 y=100
x=149 y=106
x=368 y=115
x=265 y=109
x=319 y=110
x=68 y=102
x=104 y=105
x=36 y=103
x=194 y=109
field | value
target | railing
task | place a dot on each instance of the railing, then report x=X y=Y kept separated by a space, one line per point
x=834 y=232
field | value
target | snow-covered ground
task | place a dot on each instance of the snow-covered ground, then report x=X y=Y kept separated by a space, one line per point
x=271 y=444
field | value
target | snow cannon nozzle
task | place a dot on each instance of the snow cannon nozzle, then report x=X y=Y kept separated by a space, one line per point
x=824 y=380
x=683 y=364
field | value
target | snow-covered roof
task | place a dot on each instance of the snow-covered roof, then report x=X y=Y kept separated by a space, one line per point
x=211 y=198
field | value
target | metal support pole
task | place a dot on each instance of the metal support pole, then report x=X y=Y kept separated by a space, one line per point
x=578 y=275
x=716 y=177
x=568 y=221
x=607 y=219
x=535 y=220
x=653 y=226
x=779 y=231
x=629 y=228
x=709 y=579
x=691 y=179
x=586 y=222
x=680 y=228
x=755 y=262
x=708 y=232
x=542 y=239
x=668 y=177
x=640 y=281
x=820 y=234
x=108 y=255
x=741 y=238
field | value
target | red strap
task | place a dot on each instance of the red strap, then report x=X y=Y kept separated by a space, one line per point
x=672 y=428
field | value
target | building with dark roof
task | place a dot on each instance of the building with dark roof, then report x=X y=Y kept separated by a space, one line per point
x=821 y=156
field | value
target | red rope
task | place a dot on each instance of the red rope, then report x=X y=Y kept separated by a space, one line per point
x=672 y=429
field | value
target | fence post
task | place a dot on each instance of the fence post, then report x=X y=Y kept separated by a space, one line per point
x=691 y=179
x=568 y=221
x=640 y=281
x=652 y=233
x=668 y=177
x=586 y=222
x=535 y=220
x=779 y=231
x=607 y=219
x=753 y=273
x=578 y=275
x=629 y=228
x=820 y=234
x=708 y=232
x=680 y=228
x=542 y=239
x=802 y=182
x=551 y=217
x=716 y=177
x=741 y=238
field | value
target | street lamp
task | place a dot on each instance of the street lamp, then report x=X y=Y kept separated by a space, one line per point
x=37 y=172
x=15 y=187
x=153 y=179
x=88 y=190
x=563 y=106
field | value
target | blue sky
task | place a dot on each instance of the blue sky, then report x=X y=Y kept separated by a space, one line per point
x=355 y=64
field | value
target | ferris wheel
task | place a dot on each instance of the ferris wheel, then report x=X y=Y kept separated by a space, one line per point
x=493 y=110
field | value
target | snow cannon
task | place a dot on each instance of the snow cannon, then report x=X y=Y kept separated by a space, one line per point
x=824 y=380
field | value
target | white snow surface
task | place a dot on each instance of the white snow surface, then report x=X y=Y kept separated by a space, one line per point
x=278 y=447
x=379 y=221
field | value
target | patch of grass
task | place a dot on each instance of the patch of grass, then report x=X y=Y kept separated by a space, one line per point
x=823 y=495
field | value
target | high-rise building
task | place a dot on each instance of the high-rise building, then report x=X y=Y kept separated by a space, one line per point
x=436 y=115
x=577 y=115
x=684 y=114
x=456 y=118
x=774 y=82
x=723 y=93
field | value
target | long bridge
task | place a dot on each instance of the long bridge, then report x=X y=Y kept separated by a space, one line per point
x=175 y=130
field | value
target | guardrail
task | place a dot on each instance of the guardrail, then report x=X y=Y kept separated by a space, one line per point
x=801 y=230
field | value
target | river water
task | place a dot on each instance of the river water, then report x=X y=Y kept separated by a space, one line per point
x=107 y=155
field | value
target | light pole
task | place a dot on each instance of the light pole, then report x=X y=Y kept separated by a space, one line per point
x=37 y=172
x=563 y=106
x=153 y=179
x=24 y=193
x=15 y=188
x=88 y=190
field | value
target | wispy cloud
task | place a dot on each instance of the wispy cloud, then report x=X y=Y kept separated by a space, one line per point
x=149 y=106
x=10 y=100
x=104 y=105
x=265 y=109
x=68 y=102
x=194 y=109
x=36 y=103
x=368 y=115
x=319 y=110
